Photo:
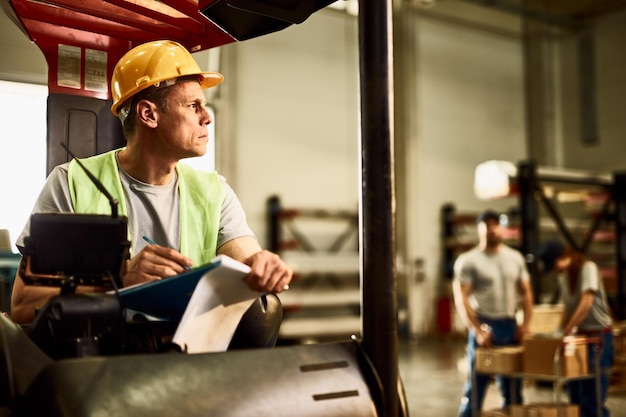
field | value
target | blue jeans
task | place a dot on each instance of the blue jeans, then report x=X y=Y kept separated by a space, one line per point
x=583 y=392
x=503 y=334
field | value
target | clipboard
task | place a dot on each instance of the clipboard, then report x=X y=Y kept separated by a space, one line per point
x=167 y=298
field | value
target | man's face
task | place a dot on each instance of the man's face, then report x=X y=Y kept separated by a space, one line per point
x=490 y=232
x=183 y=125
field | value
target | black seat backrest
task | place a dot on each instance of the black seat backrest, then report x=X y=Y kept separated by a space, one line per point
x=259 y=325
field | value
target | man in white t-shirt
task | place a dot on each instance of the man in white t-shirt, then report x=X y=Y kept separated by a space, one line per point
x=490 y=282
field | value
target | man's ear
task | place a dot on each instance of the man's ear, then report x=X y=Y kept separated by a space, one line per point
x=147 y=113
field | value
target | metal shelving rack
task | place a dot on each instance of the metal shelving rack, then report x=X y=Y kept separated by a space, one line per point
x=321 y=246
x=535 y=184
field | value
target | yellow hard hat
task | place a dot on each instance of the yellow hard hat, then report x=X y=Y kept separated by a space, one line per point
x=151 y=63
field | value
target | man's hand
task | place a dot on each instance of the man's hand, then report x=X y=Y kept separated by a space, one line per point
x=483 y=336
x=269 y=273
x=521 y=333
x=153 y=263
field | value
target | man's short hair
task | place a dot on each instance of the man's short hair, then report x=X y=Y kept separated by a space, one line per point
x=488 y=215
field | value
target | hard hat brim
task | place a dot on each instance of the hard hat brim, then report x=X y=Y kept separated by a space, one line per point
x=210 y=79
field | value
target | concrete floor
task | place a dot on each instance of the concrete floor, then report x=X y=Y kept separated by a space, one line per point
x=433 y=373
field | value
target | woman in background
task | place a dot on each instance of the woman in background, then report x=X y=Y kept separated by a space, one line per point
x=586 y=313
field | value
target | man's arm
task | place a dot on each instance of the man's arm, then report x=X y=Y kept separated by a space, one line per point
x=582 y=309
x=462 y=292
x=269 y=273
x=27 y=299
x=526 y=293
x=240 y=248
x=590 y=284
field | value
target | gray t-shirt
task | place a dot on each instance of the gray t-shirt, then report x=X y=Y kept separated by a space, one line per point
x=598 y=317
x=153 y=211
x=494 y=278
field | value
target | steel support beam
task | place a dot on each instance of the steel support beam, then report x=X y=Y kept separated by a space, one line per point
x=377 y=208
x=527 y=180
x=619 y=196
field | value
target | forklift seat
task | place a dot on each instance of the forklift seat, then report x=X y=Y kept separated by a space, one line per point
x=20 y=363
x=259 y=325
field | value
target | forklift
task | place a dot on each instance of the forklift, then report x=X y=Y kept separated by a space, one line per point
x=82 y=41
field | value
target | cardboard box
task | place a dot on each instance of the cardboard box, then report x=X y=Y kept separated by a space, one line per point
x=500 y=359
x=540 y=356
x=495 y=413
x=517 y=410
x=546 y=318
x=544 y=410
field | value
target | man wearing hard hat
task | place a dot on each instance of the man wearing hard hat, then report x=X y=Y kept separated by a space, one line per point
x=192 y=215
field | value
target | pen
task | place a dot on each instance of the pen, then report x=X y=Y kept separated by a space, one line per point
x=152 y=242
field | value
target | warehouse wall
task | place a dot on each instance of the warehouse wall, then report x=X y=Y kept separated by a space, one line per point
x=294 y=120
x=607 y=154
x=296 y=127
x=471 y=109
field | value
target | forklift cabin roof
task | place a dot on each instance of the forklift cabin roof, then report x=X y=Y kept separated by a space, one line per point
x=82 y=40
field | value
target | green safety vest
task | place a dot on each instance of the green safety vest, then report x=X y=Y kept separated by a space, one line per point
x=200 y=198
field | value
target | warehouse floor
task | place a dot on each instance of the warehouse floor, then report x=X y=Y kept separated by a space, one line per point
x=433 y=373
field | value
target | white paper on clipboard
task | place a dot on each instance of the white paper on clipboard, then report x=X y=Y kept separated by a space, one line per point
x=217 y=304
